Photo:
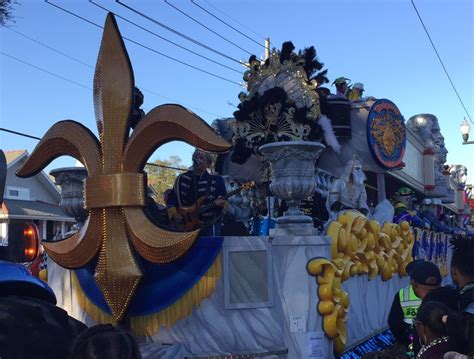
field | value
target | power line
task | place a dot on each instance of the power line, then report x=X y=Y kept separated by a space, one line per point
x=49 y=47
x=144 y=46
x=187 y=105
x=38 y=138
x=235 y=20
x=168 y=167
x=176 y=32
x=225 y=23
x=441 y=61
x=19 y=133
x=92 y=67
x=46 y=71
x=164 y=38
x=206 y=27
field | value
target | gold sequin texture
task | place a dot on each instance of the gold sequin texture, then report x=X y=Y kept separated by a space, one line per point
x=117 y=228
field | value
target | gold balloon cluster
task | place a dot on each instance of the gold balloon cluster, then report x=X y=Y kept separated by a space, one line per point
x=358 y=246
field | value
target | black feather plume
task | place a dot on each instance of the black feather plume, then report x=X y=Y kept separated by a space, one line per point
x=286 y=50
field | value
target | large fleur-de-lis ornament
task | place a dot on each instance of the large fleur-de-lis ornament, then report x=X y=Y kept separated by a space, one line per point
x=115 y=190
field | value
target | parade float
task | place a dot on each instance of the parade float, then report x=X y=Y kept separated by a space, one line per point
x=300 y=291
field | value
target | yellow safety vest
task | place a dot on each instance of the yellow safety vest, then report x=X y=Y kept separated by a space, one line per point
x=409 y=303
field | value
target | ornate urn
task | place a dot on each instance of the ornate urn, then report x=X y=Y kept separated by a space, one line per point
x=71 y=182
x=293 y=179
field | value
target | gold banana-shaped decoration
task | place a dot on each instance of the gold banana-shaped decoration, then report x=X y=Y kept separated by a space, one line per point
x=116 y=187
x=358 y=246
x=333 y=301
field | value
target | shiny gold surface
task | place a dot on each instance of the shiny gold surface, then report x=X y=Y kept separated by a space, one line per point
x=115 y=191
x=81 y=248
x=258 y=75
x=154 y=243
x=64 y=138
x=163 y=124
x=358 y=247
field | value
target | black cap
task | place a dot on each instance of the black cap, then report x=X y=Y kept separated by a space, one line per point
x=425 y=273
x=411 y=265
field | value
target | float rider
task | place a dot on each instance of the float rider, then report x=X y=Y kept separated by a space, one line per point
x=195 y=184
x=342 y=87
x=348 y=192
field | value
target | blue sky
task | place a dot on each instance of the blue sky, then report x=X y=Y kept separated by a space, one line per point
x=378 y=42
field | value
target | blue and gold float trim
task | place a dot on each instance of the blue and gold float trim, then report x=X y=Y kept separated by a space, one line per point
x=433 y=247
x=168 y=292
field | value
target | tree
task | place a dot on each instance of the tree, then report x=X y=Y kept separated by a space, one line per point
x=6 y=11
x=161 y=178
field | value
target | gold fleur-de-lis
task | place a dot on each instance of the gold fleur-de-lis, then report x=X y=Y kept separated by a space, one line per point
x=115 y=190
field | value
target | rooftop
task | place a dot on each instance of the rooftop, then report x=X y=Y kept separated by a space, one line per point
x=34 y=209
x=12 y=155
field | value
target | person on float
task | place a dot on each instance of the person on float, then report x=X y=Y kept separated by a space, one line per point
x=355 y=94
x=348 y=192
x=341 y=84
x=403 y=206
x=430 y=325
x=196 y=183
x=425 y=285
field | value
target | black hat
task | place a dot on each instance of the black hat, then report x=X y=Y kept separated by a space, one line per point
x=411 y=265
x=425 y=273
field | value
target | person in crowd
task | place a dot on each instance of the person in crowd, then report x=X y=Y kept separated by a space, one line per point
x=430 y=324
x=199 y=187
x=31 y=325
x=105 y=341
x=425 y=286
x=462 y=271
x=404 y=307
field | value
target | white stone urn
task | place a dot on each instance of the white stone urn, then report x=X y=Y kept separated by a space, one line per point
x=293 y=179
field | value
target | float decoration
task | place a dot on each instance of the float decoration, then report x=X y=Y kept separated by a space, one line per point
x=433 y=247
x=333 y=300
x=282 y=103
x=358 y=246
x=115 y=192
x=386 y=134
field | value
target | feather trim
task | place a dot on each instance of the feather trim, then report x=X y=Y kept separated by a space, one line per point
x=329 y=136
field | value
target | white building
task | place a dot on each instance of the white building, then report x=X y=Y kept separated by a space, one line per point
x=34 y=199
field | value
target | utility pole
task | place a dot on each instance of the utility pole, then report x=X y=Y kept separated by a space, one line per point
x=267 y=48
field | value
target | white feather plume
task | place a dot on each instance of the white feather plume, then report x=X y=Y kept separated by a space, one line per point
x=329 y=136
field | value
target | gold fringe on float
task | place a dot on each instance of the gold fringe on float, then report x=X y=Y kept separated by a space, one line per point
x=150 y=324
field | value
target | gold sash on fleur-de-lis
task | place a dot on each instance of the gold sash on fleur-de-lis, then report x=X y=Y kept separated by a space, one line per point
x=116 y=188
